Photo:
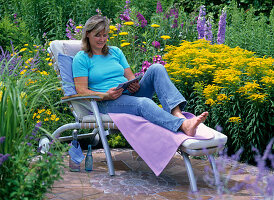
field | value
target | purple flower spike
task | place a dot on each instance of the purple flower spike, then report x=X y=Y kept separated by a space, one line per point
x=201 y=23
x=124 y=18
x=126 y=15
x=221 y=29
x=29 y=144
x=3 y=158
x=174 y=25
x=159 y=8
x=142 y=20
x=2 y=139
x=208 y=31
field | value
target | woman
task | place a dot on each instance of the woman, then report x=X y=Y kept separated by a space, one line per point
x=99 y=69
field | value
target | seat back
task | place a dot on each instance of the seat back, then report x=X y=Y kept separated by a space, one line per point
x=62 y=53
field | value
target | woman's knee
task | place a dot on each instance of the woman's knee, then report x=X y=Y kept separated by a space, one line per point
x=157 y=67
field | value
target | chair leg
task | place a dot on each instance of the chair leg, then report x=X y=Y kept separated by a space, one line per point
x=214 y=168
x=103 y=138
x=190 y=173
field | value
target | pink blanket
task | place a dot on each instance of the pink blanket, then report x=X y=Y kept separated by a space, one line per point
x=154 y=144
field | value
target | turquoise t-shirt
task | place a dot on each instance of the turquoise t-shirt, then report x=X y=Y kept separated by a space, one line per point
x=103 y=72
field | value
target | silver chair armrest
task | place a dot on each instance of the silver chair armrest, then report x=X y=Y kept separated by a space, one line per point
x=78 y=97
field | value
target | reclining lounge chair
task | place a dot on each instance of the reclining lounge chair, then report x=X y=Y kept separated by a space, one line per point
x=87 y=116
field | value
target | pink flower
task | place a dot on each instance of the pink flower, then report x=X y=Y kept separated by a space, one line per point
x=156 y=44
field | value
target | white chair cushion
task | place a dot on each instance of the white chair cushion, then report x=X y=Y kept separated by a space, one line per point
x=218 y=140
x=72 y=47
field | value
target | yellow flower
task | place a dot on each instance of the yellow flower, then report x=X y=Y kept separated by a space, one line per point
x=258 y=97
x=44 y=73
x=222 y=97
x=111 y=37
x=211 y=102
x=227 y=76
x=47 y=59
x=144 y=43
x=165 y=37
x=155 y=25
x=160 y=106
x=23 y=95
x=29 y=60
x=268 y=81
x=57 y=119
x=38 y=116
x=235 y=120
x=34 y=114
x=46 y=119
x=129 y=23
x=249 y=87
x=23 y=72
x=38 y=121
x=113 y=28
x=114 y=35
x=1 y=94
x=125 y=44
x=26 y=45
x=79 y=27
x=23 y=49
x=42 y=110
x=48 y=112
x=53 y=117
x=123 y=33
x=211 y=91
x=50 y=63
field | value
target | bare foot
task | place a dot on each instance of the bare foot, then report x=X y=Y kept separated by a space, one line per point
x=189 y=126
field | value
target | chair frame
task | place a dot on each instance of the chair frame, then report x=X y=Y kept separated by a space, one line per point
x=99 y=127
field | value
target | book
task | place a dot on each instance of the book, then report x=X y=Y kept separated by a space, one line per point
x=126 y=84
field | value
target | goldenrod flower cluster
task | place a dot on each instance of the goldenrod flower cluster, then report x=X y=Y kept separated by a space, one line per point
x=219 y=72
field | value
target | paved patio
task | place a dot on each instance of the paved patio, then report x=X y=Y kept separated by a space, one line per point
x=134 y=180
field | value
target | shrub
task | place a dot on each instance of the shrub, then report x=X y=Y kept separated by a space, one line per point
x=251 y=32
x=13 y=34
x=24 y=88
x=235 y=86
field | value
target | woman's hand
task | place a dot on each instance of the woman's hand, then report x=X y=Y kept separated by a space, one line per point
x=134 y=87
x=114 y=94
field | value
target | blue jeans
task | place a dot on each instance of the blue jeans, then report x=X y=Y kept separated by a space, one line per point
x=155 y=80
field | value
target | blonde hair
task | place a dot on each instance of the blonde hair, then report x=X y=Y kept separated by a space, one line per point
x=96 y=23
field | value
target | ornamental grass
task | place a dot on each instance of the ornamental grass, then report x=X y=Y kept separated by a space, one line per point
x=234 y=85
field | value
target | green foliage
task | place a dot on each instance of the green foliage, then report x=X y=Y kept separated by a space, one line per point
x=27 y=174
x=18 y=34
x=117 y=140
x=25 y=87
x=250 y=32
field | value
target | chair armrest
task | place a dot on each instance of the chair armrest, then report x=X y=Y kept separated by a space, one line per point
x=98 y=96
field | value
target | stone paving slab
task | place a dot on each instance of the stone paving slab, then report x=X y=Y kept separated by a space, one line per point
x=134 y=180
